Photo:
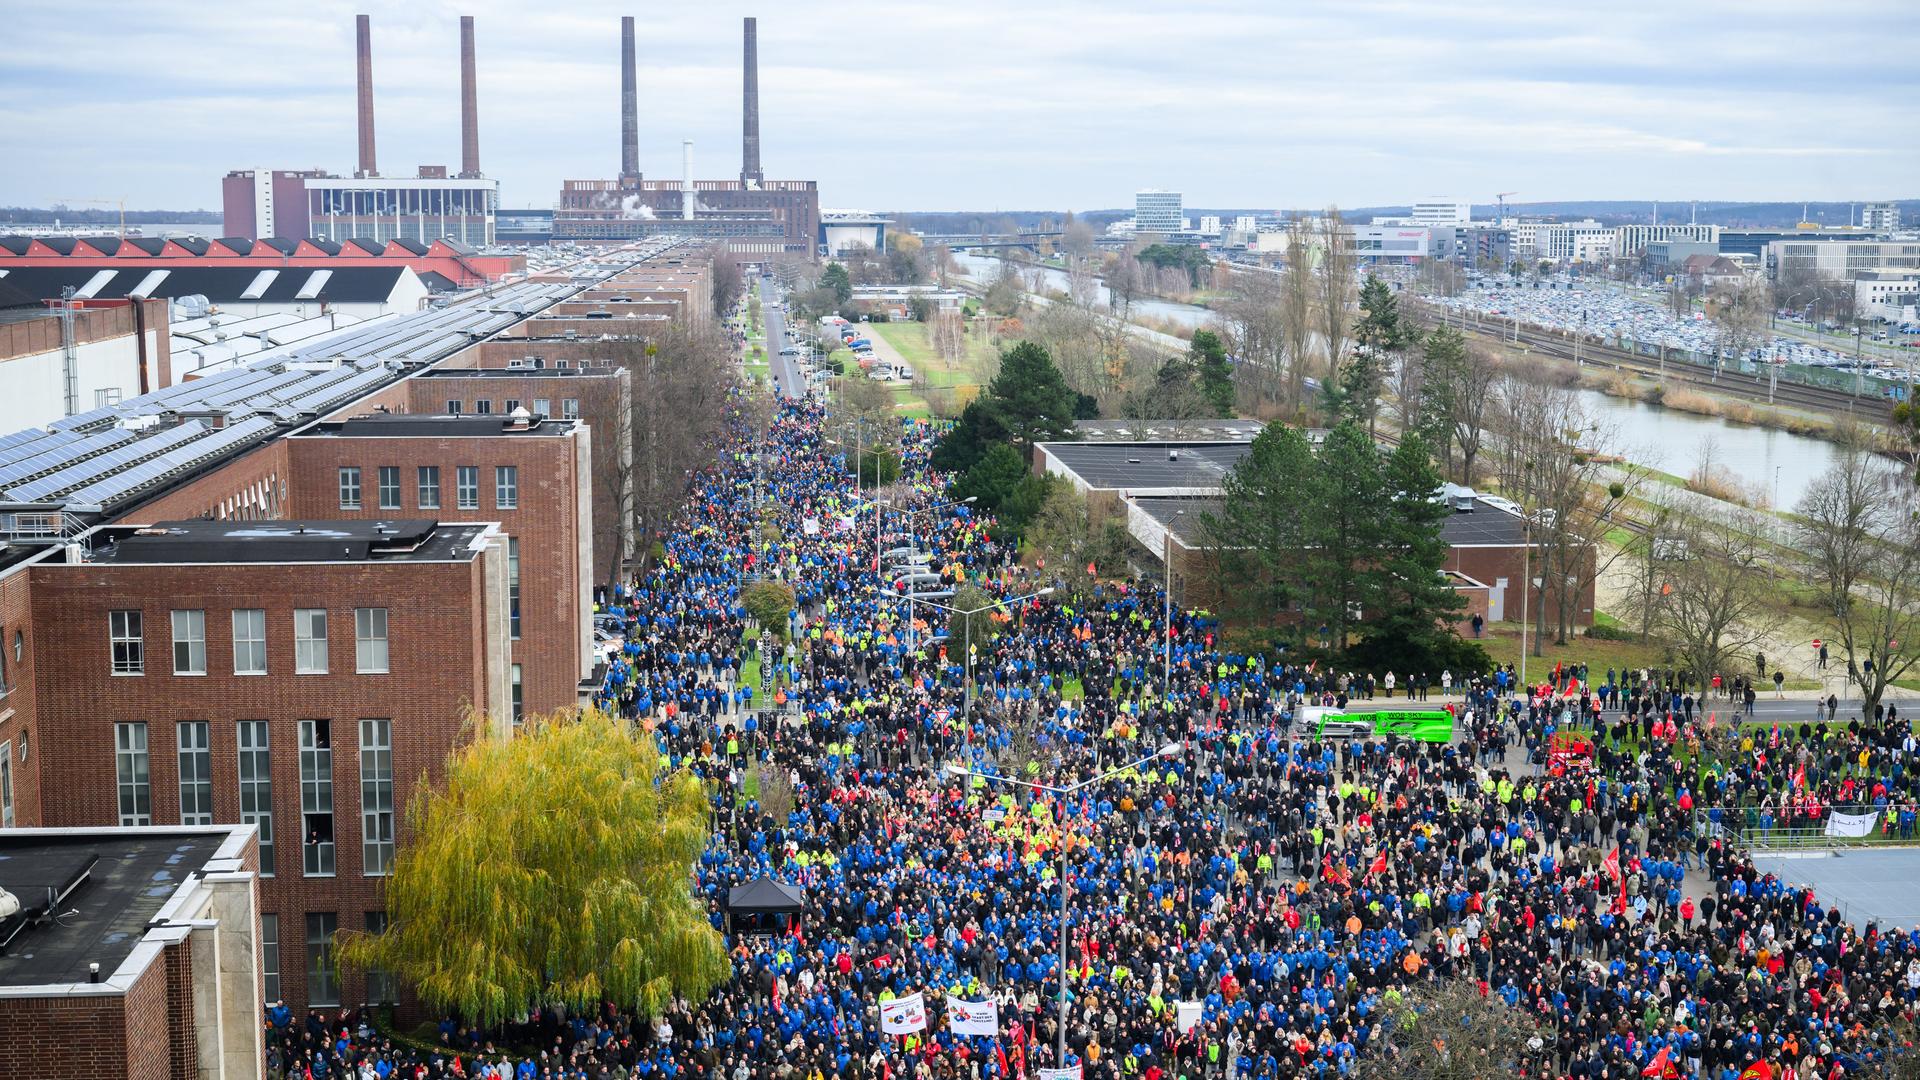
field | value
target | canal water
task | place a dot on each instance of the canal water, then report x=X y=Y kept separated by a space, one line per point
x=1778 y=466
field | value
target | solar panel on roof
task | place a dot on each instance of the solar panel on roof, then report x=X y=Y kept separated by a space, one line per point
x=59 y=457
x=82 y=421
x=15 y=446
x=173 y=463
x=85 y=472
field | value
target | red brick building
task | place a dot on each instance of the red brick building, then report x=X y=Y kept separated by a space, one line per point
x=131 y=980
x=300 y=676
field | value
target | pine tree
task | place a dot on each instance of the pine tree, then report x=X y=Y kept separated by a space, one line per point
x=1209 y=358
x=1416 y=602
x=1344 y=505
x=1030 y=397
x=1261 y=532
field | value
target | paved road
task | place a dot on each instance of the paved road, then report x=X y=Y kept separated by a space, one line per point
x=784 y=369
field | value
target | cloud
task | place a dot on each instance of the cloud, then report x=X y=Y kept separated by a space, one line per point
x=1065 y=103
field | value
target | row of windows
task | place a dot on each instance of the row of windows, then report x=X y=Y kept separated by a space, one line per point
x=127 y=644
x=466 y=487
x=194 y=745
x=323 y=977
x=542 y=407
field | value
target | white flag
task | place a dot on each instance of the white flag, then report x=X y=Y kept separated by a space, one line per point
x=1072 y=1072
x=1187 y=1014
x=810 y=526
x=973 y=1017
x=904 y=1015
x=1852 y=825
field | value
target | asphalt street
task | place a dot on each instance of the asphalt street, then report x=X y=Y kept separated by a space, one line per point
x=784 y=369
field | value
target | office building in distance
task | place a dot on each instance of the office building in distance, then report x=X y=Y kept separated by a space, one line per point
x=1157 y=211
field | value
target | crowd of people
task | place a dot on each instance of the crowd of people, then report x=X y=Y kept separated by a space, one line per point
x=1241 y=899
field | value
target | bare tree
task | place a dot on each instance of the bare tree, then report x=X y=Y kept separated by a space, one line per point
x=1652 y=557
x=678 y=383
x=1553 y=456
x=1860 y=527
x=1740 y=313
x=1251 y=322
x=1298 y=292
x=1717 y=607
x=940 y=262
x=727 y=285
x=1336 y=290
x=1123 y=284
x=1472 y=401
x=1451 y=1031
x=947 y=333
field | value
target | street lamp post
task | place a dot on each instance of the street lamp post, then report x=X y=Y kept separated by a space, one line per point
x=966 y=682
x=913 y=541
x=1167 y=613
x=1060 y=1010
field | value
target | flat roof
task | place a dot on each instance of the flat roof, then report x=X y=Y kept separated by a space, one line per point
x=1866 y=884
x=129 y=875
x=352 y=540
x=415 y=425
x=515 y=373
x=1195 y=467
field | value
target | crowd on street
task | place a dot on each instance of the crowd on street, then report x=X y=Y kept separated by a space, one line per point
x=1241 y=900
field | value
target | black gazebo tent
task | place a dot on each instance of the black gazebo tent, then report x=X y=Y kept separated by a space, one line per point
x=765 y=906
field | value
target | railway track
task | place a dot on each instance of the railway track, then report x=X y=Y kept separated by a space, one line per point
x=1818 y=399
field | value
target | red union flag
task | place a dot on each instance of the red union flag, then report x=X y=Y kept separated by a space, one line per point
x=1612 y=863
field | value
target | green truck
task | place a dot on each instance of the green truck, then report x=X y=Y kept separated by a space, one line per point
x=1421 y=725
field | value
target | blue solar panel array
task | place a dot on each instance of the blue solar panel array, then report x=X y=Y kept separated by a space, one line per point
x=90 y=461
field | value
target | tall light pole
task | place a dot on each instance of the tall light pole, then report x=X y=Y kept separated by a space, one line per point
x=956 y=769
x=1166 y=617
x=966 y=682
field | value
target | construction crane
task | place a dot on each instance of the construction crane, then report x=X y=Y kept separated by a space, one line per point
x=1502 y=196
x=120 y=202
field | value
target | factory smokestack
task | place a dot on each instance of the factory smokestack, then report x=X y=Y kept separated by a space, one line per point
x=750 y=108
x=364 y=33
x=629 y=109
x=469 y=105
x=686 y=180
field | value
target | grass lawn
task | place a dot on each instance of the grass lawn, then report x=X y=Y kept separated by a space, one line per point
x=1502 y=642
x=912 y=341
x=750 y=674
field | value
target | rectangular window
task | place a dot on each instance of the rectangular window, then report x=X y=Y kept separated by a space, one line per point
x=542 y=407
x=570 y=408
x=389 y=487
x=506 y=487
x=380 y=982
x=136 y=787
x=454 y=407
x=466 y=486
x=519 y=702
x=511 y=404
x=270 y=956
x=350 y=487
x=370 y=640
x=429 y=476
x=196 y=774
x=483 y=406
x=376 y=796
x=190 y=642
x=6 y=785
x=6 y=684
x=310 y=641
x=126 y=630
x=513 y=586
x=323 y=984
x=256 y=786
x=316 y=797
x=249 y=641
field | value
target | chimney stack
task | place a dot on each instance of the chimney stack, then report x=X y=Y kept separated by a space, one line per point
x=469 y=105
x=629 y=109
x=686 y=180
x=750 y=109
x=364 y=32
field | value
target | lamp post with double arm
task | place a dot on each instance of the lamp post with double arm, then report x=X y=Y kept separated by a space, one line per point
x=1171 y=749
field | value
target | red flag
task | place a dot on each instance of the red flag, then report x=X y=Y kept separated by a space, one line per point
x=1001 y=1052
x=1658 y=1067
x=1759 y=1070
x=1379 y=864
x=1612 y=863
x=1090 y=572
x=1800 y=778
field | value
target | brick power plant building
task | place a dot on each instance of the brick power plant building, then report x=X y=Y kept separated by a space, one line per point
x=257 y=608
x=756 y=216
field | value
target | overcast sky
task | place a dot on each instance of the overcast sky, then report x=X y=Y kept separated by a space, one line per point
x=992 y=104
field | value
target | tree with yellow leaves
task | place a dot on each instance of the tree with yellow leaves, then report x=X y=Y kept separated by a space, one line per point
x=553 y=867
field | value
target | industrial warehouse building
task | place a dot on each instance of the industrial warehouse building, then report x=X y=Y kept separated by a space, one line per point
x=277 y=596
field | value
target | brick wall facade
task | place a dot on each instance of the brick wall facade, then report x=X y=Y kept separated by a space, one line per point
x=439 y=625
x=547 y=524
